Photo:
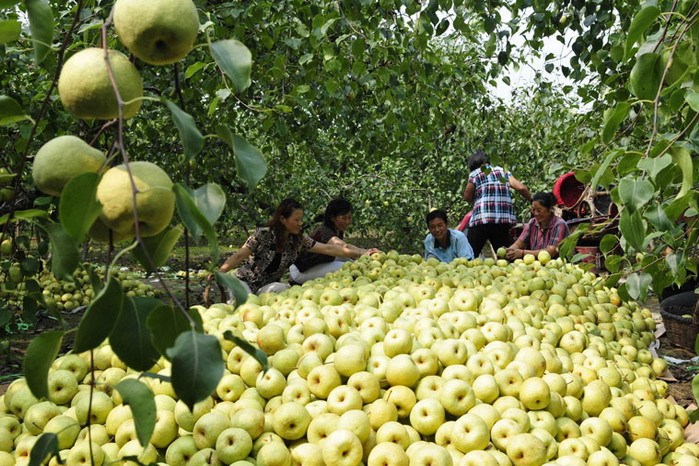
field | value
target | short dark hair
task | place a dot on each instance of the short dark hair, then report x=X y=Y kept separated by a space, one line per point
x=437 y=213
x=334 y=208
x=478 y=159
x=546 y=199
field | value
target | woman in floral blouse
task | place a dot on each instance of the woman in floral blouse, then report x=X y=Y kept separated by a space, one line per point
x=269 y=252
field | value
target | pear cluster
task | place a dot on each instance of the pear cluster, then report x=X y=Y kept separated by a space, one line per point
x=103 y=84
x=67 y=295
x=392 y=360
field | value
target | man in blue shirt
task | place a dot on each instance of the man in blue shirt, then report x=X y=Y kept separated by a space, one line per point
x=445 y=243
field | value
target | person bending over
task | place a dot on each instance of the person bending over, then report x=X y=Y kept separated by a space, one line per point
x=443 y=242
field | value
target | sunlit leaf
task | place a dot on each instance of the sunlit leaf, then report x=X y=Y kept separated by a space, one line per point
x=683 y=159
x=192 y=140
x=612 y=120
x=235 y=60
x=632 y=229
x=210 y=200
x=637 y=285
x=141 y=400
x=654 y=165
x=197 y=366
x=41 y=353
x=604 y=166
x=9 y=30
x=41 y=26
x=646 y=76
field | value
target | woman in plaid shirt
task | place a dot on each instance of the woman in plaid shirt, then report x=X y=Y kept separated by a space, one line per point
x=544 y=231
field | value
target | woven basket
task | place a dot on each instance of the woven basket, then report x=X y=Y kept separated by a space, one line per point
x=681 y=329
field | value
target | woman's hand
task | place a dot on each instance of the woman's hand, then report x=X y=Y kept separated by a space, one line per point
x=514 y=253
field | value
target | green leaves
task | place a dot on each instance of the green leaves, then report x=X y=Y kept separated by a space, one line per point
x=210 y=200
x=633 y=229
x=41 y=26
x=683 y=160
x=240 y=294
x=646 y=76
x=249 y=162
x=192 y=140
x=166 y=323
x=235 y=60
x=78 y=207
x=154 y=251
x=9 y=30
x=142 y=403
x=612 y=120
x=635 y=193
x=41 y=353
x=193 y=218
x=197 y=366
x=637 y=285
x=130 y=338
x=64 y=249
x=99 y=318
x=11 y=111
x=256 y=353
x=46 y=446
x=640 y=24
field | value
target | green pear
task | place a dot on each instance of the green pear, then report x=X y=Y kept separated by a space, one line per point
x=158 y=32
x=155 y=200
x=61 y=159
x=86 y=90
x=99 y=231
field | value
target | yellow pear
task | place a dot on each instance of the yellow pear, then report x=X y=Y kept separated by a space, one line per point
x=155 y=200
x=61 y=159
x=86 y=90
x=158 y=32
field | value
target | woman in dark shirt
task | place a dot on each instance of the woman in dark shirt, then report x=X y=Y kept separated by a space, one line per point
x=270 y=250
x=336 y=219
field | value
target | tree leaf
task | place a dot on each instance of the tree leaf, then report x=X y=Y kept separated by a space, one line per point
x=639 y=25
x=24 y=215
x=654 y=165
x=637 y=285
x=646 y=76
x=192 y=140
x=166 y=323
x=235 y=60
x=158 y=248
x=635 y=193
x=193 y=218
x=41 y=353
x=41 y=26
x=210 y=200
x=632 y=229
x=604 y=166
x=197 y=366
x=692 y=99
x=657 y=217
x=9 y=30
x=64 y=252
x=11 y=111
x=240 y=294
x=45 y=447
x=607 y=243
x=249 y=162
x=78 y=207
x=99 y=318
x=612 y=120
x=130 y=338
x=683 y=160
x=256 y=353
x=141 y=400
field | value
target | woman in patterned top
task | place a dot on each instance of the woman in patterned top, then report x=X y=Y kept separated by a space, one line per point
x=270 y=250
x=544 y=231
x=493 y=214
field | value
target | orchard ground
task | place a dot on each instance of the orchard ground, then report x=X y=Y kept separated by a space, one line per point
x=680 y=388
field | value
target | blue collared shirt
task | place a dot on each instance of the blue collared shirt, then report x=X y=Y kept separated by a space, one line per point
x=458 y=247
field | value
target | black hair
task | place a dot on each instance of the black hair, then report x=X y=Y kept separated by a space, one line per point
x=334 y=208
x=283 y=210
x=545 y=199
x=438 y=213
x=478 y=159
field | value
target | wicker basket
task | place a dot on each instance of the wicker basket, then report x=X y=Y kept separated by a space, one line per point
x=680 y=328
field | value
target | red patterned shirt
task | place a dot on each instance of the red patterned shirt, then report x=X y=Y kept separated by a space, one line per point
x=540 y=238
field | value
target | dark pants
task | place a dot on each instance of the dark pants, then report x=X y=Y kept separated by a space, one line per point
x=497 y=233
